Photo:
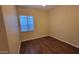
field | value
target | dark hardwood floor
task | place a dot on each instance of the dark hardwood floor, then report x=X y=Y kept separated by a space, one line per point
x=47 y=45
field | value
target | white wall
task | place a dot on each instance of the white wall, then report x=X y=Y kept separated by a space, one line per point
x=3 y=37
x=11 y=25
x=64 y=24
x=40 y=23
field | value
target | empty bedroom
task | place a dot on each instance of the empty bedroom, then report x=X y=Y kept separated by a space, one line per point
x=39 y=29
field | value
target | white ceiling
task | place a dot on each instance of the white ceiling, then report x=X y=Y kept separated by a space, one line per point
x=47 y=7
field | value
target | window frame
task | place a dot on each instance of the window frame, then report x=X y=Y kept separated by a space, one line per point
x=27 y=22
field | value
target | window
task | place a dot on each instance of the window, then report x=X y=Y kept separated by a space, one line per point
x=26 y=23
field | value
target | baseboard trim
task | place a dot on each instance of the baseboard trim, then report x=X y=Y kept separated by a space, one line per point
x=19 y=48
x=33 y=38
x=4 y=52
x=52 y=37
x=66 y=42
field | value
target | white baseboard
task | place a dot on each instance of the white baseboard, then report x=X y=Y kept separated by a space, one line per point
x=66 y=42
x=53 y=37
x=33 y=38
x=4 y=52
x=19 y=48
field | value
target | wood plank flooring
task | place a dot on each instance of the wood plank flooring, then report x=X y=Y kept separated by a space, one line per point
x=47 y=45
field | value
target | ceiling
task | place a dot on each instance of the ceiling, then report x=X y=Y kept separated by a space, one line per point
x=47 y=7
